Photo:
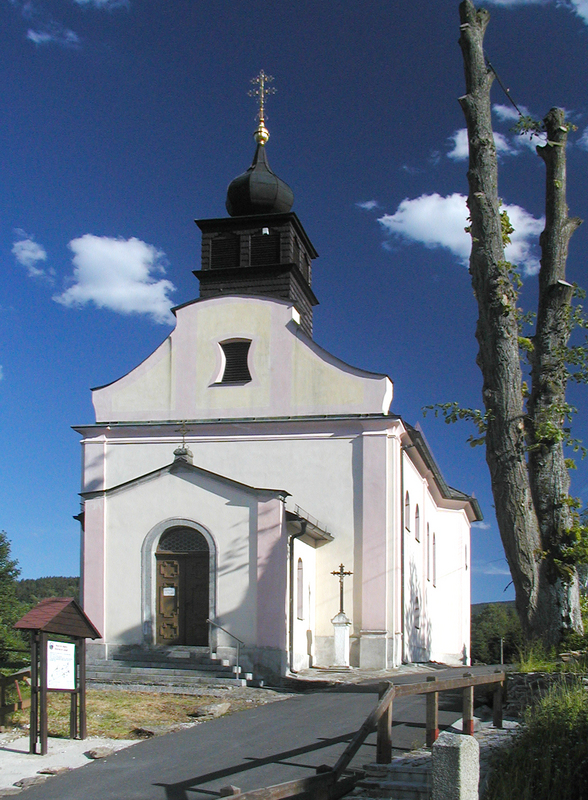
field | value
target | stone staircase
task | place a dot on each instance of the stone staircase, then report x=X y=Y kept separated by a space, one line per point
x=406 y=778
x=167 y=668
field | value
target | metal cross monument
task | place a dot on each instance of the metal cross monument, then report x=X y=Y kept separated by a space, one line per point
x=341 y=574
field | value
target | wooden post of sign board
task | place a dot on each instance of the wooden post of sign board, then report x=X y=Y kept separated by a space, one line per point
x=43 y=726
x=81 y=653
x=34 y=718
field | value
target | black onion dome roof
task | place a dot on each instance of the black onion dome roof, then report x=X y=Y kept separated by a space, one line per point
x=259 y=190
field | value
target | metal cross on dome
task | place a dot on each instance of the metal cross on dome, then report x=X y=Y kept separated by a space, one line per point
x=261 y=91
x=341 y=574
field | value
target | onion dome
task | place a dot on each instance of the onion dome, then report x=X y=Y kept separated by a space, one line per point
x=259 y=190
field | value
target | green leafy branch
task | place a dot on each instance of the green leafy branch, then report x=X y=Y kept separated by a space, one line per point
x=453 y=412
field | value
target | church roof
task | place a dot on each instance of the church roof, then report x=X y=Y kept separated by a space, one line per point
x=182 y=464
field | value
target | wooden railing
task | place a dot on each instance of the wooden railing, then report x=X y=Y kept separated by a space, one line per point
x=7 y=681
x=329 y=783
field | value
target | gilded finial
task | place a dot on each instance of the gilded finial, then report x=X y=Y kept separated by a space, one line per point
x=261 y=91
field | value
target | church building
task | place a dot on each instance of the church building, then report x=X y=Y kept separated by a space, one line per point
x=243 y=484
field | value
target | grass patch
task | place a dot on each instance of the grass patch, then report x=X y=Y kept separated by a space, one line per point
x=116 y=714
x=534 y=657
x=549 y=756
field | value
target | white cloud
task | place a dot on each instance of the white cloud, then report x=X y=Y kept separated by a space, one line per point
x=483 y=526
x=436 y=221
x=581 y=9
x=102 y=3
x=29 y=254
x=120 y=275
x=583 y=140
x=368 y=205
x=491 y=567
x=460 y=151
x=1 y=372
x=53 y=33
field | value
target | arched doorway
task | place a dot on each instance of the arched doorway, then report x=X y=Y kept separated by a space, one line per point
x=182 y=587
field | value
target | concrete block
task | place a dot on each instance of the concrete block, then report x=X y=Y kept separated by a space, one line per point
x=456 y=767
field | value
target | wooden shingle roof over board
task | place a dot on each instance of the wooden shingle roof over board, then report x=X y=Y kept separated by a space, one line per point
x=58 y=615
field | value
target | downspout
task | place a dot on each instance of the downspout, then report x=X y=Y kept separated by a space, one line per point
x=403 y=449
x=291 y=598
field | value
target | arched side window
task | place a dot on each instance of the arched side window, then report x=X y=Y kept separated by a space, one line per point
x=417 y=612
x=417 y=524
x=300 y=590
x=428 y=553
x=407 y=511
x=235 y=368
x=434 y=559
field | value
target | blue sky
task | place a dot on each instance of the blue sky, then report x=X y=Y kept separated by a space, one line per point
x=122 y=122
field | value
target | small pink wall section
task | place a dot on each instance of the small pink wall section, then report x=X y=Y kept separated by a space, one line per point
x=94 y=555
x=272 y=574
x=374 y=570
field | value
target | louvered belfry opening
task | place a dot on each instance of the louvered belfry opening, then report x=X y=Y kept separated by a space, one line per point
x=265 y=249
x=236 y=368
x=267 y=255
x=225 y=252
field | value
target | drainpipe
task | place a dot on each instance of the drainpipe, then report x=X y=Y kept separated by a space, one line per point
x=291 y=598
x=403 y=449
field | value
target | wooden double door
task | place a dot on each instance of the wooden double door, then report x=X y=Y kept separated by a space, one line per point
x=183 y=591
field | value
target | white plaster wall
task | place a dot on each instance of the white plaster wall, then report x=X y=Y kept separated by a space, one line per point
x=291 y=375
x=304 y=629
x=318 y=472
x=449 y=600
x=227 y=513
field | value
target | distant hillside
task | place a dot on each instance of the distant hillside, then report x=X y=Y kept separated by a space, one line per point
x=478 y=607
x=32 y=590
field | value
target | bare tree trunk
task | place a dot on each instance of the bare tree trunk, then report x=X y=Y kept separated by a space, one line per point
x=520 y=520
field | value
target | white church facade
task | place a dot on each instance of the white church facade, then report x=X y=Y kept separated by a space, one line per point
x=229 y=475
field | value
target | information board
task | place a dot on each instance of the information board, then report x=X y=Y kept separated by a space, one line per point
x=61 y=666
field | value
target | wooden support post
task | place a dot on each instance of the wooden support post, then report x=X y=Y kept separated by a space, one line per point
x=2 y=701
x=468 y=707
x=34 y=717
x=432 y=715
x=497 y=705
x=81 y=654
x=384 y=728
x=43 y=722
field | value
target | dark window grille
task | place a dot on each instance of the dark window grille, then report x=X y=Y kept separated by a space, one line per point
x=225 y=252
x=182 y=540
x=236 y=369
x=265 y=249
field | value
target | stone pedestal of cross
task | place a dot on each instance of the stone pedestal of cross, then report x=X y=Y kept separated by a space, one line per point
x=341 y=624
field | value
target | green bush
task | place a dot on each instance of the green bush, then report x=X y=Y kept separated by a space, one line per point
x=548 y=758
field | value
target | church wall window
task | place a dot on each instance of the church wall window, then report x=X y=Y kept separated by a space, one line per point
x=235 y=368
x=434 y=558
x=428 y=553
x=407 y=511
x=417 y=524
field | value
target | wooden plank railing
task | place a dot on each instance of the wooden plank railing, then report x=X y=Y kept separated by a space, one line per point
x=330 y=783
x=5 y=682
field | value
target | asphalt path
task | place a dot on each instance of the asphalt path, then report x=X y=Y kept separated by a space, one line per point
x=277 y=742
